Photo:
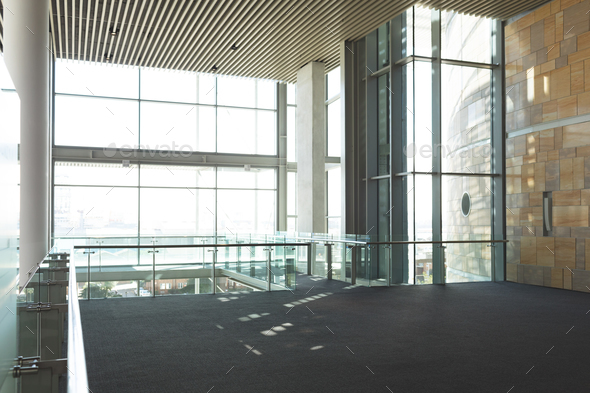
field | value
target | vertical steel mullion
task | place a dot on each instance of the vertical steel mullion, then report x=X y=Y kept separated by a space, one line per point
x=398 y=132
x=348 y=114
x=498 y=163
x=282 y=192
x=437 y=251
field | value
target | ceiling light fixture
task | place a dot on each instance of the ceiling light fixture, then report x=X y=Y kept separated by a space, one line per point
x=108 y=57
x=234 y=47
x=114 y=31
x=214 y=68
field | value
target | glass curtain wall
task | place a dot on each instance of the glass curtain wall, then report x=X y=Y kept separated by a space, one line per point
x=333 y=149
x=434 y=181
x=145 y=200
x=158 y=118
x=105 y=106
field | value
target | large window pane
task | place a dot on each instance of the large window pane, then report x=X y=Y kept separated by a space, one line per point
x=96 y=79
x=466 y=215
x=465 y=119
x=422 y=32
x=291 y=91
x=166 y=85
x=292 y=193
x=423 y=116
x=248 y=93
x=96 y=122
x=178 y=127
x=333 y=78
x=466 y=37
x=187 y=211
x=291 y=134
x=177 y=176
x=254 y=214
x=246 y=178
x=334 y=191
x=95 y=211
x=246 y=131
x=95 y=174
x=334 y=118
x=423 y=228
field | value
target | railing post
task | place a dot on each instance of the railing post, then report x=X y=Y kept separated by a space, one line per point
x=443 y=271
x=352 y=265
x=153 y=252
x=268 y=268
x=388 y=259
x=309 y=264
x=88 y=274
x=214 y=251
x=329 y=259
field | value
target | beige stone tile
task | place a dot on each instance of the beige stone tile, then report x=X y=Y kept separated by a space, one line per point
x=509 y=148
x=526 y=21
x=520 y=145
x=585 y=197
x=576 y=135
x=587 y=252
x=575 y=19
x=584 y=103
x=542 y=12
x=584 y=41
x=528 y=178
x=513 y=180
x=555 y=6
x=542 y=156
x=566 y=175
x=537 y=114
x=567 y=279
x=570 y=216
x=587 y=75
x=553 y=155
x=583 y=151
x=524 y=42
x=536 y=199
x=577 y=78
x=557 y=278
x=513 y=216
x=578 y=168
x=511 y=272
x=547 y=141
x=550 y=111
x=558 y=131
x=568 y=46
x=510 y=29
x=568 y=3
x=543 y=86
x=528 y=250
x=538 y=37
x=558 y=26
x=565 y=252
x=569 y=152
x=566 y=198
x=516 y=161
x=545 y=253
x=540 y=176
x=559 y=84
x=529 y=159
x=567 y=107
x=552 y=175
x=526 y=217
x=532 y=143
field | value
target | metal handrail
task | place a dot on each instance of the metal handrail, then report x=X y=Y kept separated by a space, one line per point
x=439 y=242
x=77 y=375
x=92 y=246
x=326 y=240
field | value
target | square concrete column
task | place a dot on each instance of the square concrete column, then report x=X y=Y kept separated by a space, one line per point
x=311 y=148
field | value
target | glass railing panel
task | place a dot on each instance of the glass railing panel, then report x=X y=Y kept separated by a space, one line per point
x=320 y=262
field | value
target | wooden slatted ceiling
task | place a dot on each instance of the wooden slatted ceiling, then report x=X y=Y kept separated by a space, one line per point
x=273 y=38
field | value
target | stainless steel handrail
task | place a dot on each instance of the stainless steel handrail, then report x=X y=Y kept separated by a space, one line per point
x=77 y=375
x=439 y=242
x=92 y=246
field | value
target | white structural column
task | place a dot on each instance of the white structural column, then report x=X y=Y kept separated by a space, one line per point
x=311 y=148
x=26 y=38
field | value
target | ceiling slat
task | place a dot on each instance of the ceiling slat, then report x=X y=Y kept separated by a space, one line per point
x=273 y=38
x=113 y=34
x=137 y=23
x=126 y=26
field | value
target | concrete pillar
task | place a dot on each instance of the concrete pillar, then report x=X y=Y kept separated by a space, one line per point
x=311 y=148
x=26 y=40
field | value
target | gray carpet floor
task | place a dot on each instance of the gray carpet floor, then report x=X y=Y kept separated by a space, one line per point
x=480 y=337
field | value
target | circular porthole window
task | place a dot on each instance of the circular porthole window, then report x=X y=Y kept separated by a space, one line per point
x=466 y=204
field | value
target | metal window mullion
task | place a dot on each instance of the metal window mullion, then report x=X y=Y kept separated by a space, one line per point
x=498 y=163
x=437 y=251
x=282 y=194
